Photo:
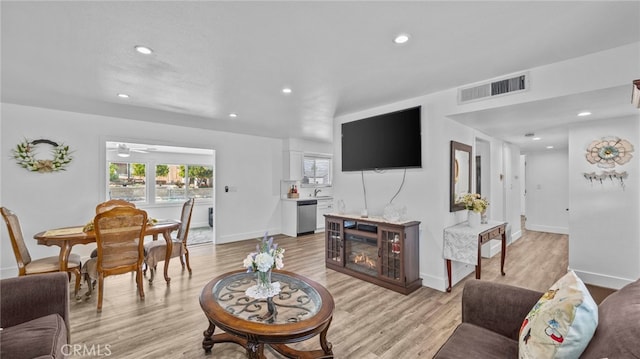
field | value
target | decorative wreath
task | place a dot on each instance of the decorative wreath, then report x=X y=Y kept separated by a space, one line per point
x=24 y=153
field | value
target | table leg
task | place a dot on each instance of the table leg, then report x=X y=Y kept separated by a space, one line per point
x=255 y=349
x=207 y=342
x=326 y=346
x=63 y=259
x=167 y=256
x=479 y=266
x=449 y=274
x=504 y=252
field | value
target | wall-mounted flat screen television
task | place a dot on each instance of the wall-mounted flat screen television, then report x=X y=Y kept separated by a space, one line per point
x=390 y=140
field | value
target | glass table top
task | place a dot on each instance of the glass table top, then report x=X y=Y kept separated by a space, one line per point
x=296 y=301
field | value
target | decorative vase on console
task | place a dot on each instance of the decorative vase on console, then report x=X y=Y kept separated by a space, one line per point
x=474 y=219
x=475 y=204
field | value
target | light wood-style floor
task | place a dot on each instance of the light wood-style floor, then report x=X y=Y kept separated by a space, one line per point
x=369 y=322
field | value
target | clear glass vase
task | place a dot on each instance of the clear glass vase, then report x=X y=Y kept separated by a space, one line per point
x=264 y=279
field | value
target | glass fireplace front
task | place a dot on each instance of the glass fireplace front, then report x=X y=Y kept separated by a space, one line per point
x=362 y=253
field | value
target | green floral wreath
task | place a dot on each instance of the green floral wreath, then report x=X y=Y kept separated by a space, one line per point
x=24 y=153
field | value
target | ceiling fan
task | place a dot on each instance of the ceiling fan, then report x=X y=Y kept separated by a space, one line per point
x=125 y=151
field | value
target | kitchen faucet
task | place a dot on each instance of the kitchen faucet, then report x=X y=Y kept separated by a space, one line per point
x=315 y=192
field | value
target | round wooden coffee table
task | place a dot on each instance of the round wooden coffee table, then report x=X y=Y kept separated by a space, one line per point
x=302 y=310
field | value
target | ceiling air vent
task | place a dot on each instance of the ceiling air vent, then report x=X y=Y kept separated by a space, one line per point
x=492 y=89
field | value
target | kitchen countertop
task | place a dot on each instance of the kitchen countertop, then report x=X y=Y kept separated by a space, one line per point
x=320 y=198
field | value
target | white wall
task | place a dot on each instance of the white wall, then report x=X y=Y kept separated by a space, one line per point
x=47 y=200
x=426 y=190
x=512 y=184
x=523 y=184
x=548 y=191
x=604 y=225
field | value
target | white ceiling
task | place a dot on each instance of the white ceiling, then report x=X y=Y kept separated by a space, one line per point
x=216 y=58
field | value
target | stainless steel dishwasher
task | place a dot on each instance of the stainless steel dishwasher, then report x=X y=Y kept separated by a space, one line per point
x=306 y=216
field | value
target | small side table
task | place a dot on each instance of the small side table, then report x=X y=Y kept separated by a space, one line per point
x=463 y=244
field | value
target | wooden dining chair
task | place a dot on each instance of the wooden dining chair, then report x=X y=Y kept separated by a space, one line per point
x=156 y=250
x=120 y=238
x=27 y=265
x=89 y=270
x=112 y=203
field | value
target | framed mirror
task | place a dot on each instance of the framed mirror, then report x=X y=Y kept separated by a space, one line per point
x=460 y=177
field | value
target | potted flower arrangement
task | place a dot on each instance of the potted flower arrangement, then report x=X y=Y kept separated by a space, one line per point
x=476 y=206
x=268 y=256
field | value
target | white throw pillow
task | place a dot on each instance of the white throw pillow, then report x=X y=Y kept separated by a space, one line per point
x=562 y=322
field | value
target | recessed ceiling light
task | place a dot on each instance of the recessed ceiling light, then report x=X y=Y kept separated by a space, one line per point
x=536 y=138
x=123 y=95
x=233 y=115
x=143 y=50
x=401 y=39
x=286 y=90
x=584 y=113
x=549 y=147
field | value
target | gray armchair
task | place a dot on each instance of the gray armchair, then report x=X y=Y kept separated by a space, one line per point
x=34 y=316
x=492 y=315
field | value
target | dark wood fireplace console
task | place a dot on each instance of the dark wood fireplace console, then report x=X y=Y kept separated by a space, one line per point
x=375 y=250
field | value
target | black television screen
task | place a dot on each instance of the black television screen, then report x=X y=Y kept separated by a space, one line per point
x=391 y=140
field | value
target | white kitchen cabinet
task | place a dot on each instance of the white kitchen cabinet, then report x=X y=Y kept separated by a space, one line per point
x=325 y=205
x=289 y=217
x=292 y=165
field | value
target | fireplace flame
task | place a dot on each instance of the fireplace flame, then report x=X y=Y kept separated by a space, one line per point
x=364 y=259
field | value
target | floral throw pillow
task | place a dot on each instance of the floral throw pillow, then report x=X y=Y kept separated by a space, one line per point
x=562 y=322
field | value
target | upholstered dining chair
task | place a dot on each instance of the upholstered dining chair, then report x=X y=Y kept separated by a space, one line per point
x=27 y=265
x=156 y=250
x=89 y=271
x=120 y=238
x=112 y=203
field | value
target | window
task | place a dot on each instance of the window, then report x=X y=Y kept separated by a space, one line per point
x=317 y=170
x=127 y=181
x=170 y=183
x=157 y=174
x=200 y=180
x=171 y=180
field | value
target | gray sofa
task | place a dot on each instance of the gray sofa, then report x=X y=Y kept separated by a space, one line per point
x=492 y=314
x=34 y=316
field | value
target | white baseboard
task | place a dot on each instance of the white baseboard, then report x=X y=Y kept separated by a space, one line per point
x=433 y=282
x=514 y=237
x=199 y=224
x=548 y=229
x=244 y=236
x=8 y=272
x=491 y=249
x=458 y=272
x=602 y=280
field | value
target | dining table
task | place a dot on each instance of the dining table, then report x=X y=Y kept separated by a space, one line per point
x=67 y=237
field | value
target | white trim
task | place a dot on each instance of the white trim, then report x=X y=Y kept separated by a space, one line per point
x=9 y=272
x=602 y=280
x=458 y=272
x=236 y=237
x=548 y=229
x=494 y=247
x=514 y=237
x=434 y=282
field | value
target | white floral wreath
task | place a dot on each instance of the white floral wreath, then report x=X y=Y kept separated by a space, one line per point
x=25 y=156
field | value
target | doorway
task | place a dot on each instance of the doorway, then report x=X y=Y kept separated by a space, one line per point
x=159 y=178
